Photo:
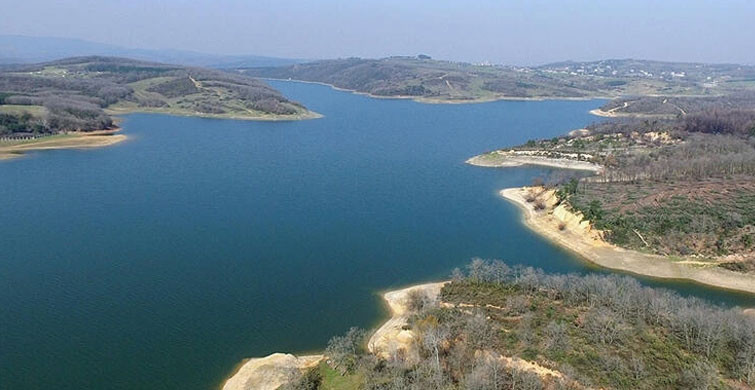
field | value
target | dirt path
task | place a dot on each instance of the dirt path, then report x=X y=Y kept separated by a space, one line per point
x=197 y=84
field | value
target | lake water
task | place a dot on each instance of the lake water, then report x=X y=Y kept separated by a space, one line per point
x=160 y=263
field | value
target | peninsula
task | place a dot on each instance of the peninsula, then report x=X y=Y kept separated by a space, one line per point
x=672 y=195
x=71 y=98
x=502 y=327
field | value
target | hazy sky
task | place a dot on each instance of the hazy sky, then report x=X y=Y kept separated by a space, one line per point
x=512 y=32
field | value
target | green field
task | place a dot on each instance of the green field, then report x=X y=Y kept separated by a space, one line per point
x=37 y=111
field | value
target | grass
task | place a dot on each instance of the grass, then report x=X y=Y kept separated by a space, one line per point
x=332 y=380
x=13 y=109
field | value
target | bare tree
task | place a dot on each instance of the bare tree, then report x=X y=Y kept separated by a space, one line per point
x=343 y=351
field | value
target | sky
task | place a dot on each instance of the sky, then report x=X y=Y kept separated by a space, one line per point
x=502 y=32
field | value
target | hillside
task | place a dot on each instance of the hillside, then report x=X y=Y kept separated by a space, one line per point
x=501 y=327
x=426 y=79
x=82 y=94
x=672 y=106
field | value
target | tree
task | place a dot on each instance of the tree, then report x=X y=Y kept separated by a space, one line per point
x=487 y=374
x=478 y=331
x=699 y=376
x=343 y=351
x=434 y=337
x=310 y=380
x=419 y=301
x=604 y=325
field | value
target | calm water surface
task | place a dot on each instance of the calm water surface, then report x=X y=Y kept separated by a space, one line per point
x=160 y=263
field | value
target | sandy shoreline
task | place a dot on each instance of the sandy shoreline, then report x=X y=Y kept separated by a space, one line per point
x=578 y=237
x=72 y=140
x=511 y=159
x=605 y=114
x=271 y=118
x=612 y=114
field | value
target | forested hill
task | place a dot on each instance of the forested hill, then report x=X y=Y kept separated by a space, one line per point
x=427 y=79
x=81 y=93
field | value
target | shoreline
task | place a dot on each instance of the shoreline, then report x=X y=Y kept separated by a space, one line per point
x=270 y=118
x=611 y=114
x=504 y=159
x=604 y=114
x=424 y=100
x=70 y=140
x=578 y=237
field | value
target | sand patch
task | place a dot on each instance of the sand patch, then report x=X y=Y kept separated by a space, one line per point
x=270 y=372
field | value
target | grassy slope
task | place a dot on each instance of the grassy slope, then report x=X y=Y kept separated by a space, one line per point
x=71 y=94
x=233 y=107
x=15 y=109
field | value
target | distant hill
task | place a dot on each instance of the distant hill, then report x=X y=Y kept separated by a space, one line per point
x=656 y=70
x=81 y=93
x=426 y=79
x=25 y=49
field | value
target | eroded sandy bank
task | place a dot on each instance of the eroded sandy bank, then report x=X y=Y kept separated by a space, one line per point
x=391 y=338
x=269 y=372
x=570 y=231
x=73 y=140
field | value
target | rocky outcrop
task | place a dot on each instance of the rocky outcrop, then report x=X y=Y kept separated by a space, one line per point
x=270 y=372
